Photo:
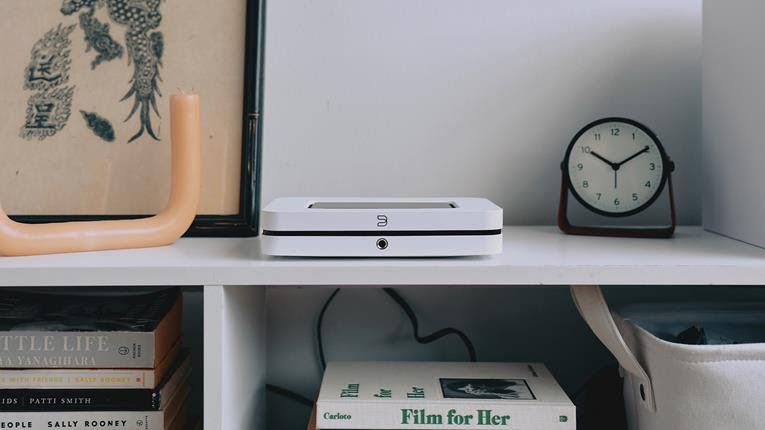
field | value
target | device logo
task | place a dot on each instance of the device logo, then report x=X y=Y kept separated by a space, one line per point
x=382 y=221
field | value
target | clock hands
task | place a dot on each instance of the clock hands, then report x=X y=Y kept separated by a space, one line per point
x=613 y=165
x=633 y=156
x=616 y=166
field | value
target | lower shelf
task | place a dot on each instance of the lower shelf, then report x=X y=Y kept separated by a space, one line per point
x=505 y=324
x=243 y=337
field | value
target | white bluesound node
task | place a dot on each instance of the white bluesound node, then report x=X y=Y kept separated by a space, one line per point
x=381 y=227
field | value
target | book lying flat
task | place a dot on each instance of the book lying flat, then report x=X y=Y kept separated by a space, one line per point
x=46 y=400
x=86 y=379
x=58 y=329
x=390 y=396
x=171 y=417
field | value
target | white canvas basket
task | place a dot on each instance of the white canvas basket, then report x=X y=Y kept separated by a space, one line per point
x=670 y=386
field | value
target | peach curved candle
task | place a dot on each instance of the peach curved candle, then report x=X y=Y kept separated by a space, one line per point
x=18 y=239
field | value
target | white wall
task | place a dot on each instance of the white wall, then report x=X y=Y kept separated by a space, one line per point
x=479 y=98
x=734 y=198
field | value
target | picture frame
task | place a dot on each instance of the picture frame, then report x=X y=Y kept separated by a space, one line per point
x=244 y=222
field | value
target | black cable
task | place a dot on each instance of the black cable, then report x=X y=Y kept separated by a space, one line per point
x=290 y=395
x=433 y=336
x=319 y=324
x=412 y=318
x=415 y=327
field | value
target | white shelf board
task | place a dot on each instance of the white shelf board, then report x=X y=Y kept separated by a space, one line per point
x=532 y=256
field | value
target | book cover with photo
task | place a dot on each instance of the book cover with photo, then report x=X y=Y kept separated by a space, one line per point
x=58 y=328
x=439 y=395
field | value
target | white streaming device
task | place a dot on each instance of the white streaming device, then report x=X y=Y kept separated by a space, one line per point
x=381 y=227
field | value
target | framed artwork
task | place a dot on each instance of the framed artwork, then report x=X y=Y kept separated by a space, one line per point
x=85 y=119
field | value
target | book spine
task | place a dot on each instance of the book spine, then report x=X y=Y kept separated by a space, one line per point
x=418 y=415
x=83 y=420
x=77 y=350
x=76 y=379
x=78 y=400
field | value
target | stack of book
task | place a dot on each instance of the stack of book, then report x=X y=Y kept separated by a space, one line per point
x=92 y=361
x=390 y=395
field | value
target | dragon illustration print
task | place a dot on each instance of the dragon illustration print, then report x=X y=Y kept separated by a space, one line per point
x=48 y=110
x=97 y=37
x=144 y=45
x=47 y=113
x=99 y=125
x=50 y=63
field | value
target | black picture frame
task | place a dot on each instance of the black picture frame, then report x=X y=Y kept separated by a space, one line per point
x=246 y=222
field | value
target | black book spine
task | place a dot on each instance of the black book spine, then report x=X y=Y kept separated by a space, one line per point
x=78 y=400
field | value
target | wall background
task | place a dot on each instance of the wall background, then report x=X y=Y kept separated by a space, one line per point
x=473 y=98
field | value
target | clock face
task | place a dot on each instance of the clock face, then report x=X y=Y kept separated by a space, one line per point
x=615 y=167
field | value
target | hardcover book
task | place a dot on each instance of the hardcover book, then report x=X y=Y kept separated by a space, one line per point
x=37 y=400
x=50 y=329
x=87 y=379
x=172 y=417
x=390 y=395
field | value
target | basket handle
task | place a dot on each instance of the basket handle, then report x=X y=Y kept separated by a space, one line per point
x=592 y=306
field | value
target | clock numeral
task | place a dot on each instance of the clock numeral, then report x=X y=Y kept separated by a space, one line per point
x=597 y=136
x=585 y=184
x=585 y=149
x=616 y=132
x=633 y=136
x=648 y=184
x=634 y=197
x=616 y=202
x=580 y=166
x=652 y=166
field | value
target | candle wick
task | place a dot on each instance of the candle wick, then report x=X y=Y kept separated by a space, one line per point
x=183 y=93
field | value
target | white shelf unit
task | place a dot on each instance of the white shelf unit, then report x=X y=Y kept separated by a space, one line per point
x=235 y=274
x=532 y=256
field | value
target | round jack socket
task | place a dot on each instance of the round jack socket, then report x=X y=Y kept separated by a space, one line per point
x=382 y=244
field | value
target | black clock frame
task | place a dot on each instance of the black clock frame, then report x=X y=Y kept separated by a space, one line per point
x=668 y=167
